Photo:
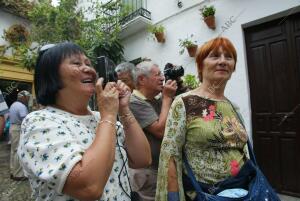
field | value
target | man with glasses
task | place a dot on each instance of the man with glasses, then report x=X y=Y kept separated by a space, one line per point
x=151 y=112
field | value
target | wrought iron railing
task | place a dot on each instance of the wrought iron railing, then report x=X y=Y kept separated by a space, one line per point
x=139 y=12
x=134 y=8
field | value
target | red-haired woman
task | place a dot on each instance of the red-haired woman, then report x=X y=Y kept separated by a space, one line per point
x=203 y=125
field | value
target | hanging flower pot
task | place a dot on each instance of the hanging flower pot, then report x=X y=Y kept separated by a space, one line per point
x=189 y=44
x=160 y=37
x=192 y=50
x=158 y=31
x=210 y=22
x=16 y=35
x=208 y=14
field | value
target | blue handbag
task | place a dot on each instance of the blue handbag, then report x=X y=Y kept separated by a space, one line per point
x=258 y=187
x=249 y=177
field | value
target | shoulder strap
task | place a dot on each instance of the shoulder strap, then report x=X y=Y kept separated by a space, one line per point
x=251 y=153
x=191 y=175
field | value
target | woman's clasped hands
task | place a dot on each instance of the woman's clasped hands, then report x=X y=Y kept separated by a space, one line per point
x=112 y=98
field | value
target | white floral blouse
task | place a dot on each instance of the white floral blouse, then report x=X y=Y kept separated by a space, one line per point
x=52 y=141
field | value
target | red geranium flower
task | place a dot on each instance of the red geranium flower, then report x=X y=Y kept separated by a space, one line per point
x=212 y=107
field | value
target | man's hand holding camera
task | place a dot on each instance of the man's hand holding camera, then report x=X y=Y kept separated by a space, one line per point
x=169 y=90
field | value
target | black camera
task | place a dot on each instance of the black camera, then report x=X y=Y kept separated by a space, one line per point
x=173 y=72
x=106 y=68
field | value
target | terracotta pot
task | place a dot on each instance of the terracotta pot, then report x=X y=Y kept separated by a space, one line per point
x=210 y=21
x=160 y=37
x=192 y=50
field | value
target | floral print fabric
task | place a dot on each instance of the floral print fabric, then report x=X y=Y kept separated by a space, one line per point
x=52 y=141
x=210 y=134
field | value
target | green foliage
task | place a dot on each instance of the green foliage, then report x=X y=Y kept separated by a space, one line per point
x=187 y=42
x=190 y=81
x=19 y=7
x=55 y=24
x=207 y=11
x=156 y=29
x=98 y=35
x=16 y=35
x=27 y=56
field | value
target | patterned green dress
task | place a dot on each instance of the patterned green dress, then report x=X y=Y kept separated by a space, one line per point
x=211 y=135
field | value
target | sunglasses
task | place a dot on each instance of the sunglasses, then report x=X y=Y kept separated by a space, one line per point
x=46 y=47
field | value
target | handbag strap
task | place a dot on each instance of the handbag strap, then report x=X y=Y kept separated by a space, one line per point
x=251 y=152
x=191 y=175
x=188 y=167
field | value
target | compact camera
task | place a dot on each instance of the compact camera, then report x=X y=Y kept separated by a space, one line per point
x=105 y=68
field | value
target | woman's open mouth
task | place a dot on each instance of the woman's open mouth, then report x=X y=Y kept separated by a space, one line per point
x=87 y=81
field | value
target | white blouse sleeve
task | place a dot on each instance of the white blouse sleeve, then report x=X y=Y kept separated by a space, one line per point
x=48 y=150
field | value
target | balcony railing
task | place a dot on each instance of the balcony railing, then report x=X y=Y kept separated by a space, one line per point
x=134 y=8
x=139 y=12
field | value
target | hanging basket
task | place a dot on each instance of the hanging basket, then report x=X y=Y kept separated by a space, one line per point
x=16 y=35
x=210 y=21
x=192 y=50
x=160 y=37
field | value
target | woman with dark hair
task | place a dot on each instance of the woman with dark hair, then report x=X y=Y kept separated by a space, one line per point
x=69 y=152
x=205 y=136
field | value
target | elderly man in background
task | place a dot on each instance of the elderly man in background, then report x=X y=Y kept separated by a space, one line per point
x=126 y=73
x=17 y=112
x=151 y=111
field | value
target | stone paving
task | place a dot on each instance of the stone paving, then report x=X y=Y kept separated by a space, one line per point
x=11 y=190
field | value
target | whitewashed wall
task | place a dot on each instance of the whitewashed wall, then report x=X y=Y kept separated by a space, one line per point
x=181 y=22
x=6 y=20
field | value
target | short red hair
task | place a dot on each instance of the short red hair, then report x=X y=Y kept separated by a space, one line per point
x=213 y=45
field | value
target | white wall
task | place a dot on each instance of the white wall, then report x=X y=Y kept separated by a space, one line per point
x=180 y=23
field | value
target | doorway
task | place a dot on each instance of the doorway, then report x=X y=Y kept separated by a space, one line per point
x=273 y=58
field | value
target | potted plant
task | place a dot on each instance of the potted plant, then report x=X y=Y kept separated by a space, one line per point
x=208 y=14
x=16 y=35
x=190 y=81
x=189 y=44
x=158 y=31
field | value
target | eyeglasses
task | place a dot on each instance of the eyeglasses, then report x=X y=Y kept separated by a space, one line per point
x=46 y=47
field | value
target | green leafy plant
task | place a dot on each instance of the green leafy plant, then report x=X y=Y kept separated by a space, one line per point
x=27 y=56
x=66 y=22
x=190 y=81
x=156 y=29
x=187 y=42
x=158 y=32
x=207 y=11
x=16 y=35
x=19 y=7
